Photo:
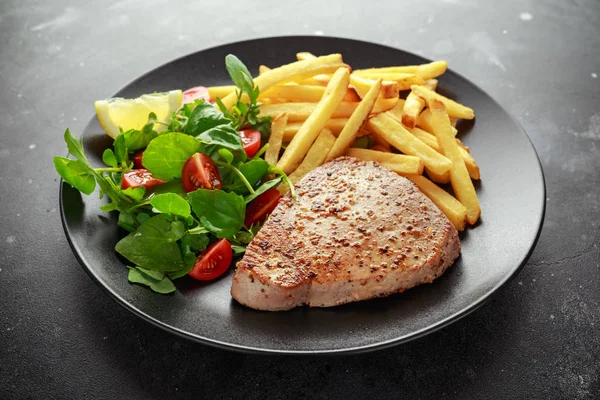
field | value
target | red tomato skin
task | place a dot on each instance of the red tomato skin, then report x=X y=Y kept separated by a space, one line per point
x=137 y=159
x=251 y=141
x=140 y=177
x=212 y=262
x=264 y=204
x=195 y=93
x=200 y=172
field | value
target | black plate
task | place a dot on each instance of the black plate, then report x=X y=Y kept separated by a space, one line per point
x=512 y=196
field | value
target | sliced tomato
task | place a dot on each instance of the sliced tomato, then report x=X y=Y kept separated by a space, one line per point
x=200 y=172
x=261 y=206
x=195 y=93
x=140 y=177
x=213 y=261
x=251 y=141
x=137 y=159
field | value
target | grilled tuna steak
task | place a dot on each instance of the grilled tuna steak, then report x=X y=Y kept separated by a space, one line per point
x=355 y=231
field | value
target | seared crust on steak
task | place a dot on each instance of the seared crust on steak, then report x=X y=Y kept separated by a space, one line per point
x=355 y=231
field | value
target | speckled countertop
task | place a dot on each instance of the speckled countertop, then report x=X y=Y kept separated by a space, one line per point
x=62 y=337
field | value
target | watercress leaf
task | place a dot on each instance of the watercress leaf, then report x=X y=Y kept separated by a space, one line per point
x=223 y=136
x=127 y=221
x=253 y=170
x=75 y=147
x=263 y=125
x=242 y=107
x=151 y=246
x=238 y=250
x=147 y=277
x=262 y=188
x=166 y=155
x=220 y=212
x=109 y=158
x=204 y=117
x=189 y=259
x=138 y=139
x=142 y=217
x=176 y=231
x=135 y=194
x=175 y=186
x=170 y=203
x=76 y=174
x=108 y=207
x=120 y=149
x=226 y=155
x=196 y=242
x=239 y=74
x=224 y=109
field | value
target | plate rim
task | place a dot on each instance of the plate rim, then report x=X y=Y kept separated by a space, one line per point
x=348 y=350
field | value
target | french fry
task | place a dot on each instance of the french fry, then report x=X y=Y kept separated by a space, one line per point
x=438 y=178
x=305 y=55
x=314 y=124
x=389 y=89
x=302 y=93
x=453 y=108
x=378 y=147
x=399 y=163
x=431 y=70
x=262 y=69
x=381 y=142
x=396 y=111
x=355 y=121
x=404 y=80
x=315 y=156
x=396 y=135
x=317 y=80
x=291 y=72
x=431 y=84
x=335 y=125
x=277 y=130
x=459 y=176
x=431 y=141
x=453 y=122
x=425 y=69
x=220 y=91
x=424 y=122
x=412 y=108
x=454 y=210
x=301 y=111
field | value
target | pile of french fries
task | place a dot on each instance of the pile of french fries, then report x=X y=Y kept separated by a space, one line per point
x=320 y=107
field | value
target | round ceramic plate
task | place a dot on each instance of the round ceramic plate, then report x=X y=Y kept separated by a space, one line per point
x=512 y=196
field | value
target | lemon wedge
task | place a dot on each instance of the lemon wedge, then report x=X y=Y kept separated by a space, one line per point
x=128 y=114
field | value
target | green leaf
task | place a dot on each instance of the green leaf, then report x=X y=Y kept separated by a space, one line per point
x=108 y=207
x=75 y=147
x=157 y=281
x=135 y=194
x=142 y=217
x=226 y=155
x=263 y=125
x=362 y=142
x=196 y=242
x=120 y=149
x=76 y=174
x=220 y=212
x=262 y=188
x=170 y=203
x=138 y=139
x=223 y=136
x=175 y=186
x=176 y=231
x=238 y=250
x=239 y=74
x=204 y=117
x=166 y=155
x=127 y=221
x=152 y=246
x=253 y=170
x=109 y=158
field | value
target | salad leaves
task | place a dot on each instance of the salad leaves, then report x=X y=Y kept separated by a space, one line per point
x=167 y=226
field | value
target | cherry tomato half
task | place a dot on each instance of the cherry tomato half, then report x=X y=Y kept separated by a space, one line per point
x=137 y=159
x=213 y=261
x=195 y=93
x=140 y=177
x=200 y=172
x=261 y=206
x=251 y=141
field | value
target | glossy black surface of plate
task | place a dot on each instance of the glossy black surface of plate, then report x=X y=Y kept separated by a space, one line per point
x=511 y=193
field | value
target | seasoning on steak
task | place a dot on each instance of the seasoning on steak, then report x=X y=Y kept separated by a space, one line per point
x=355 y=231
